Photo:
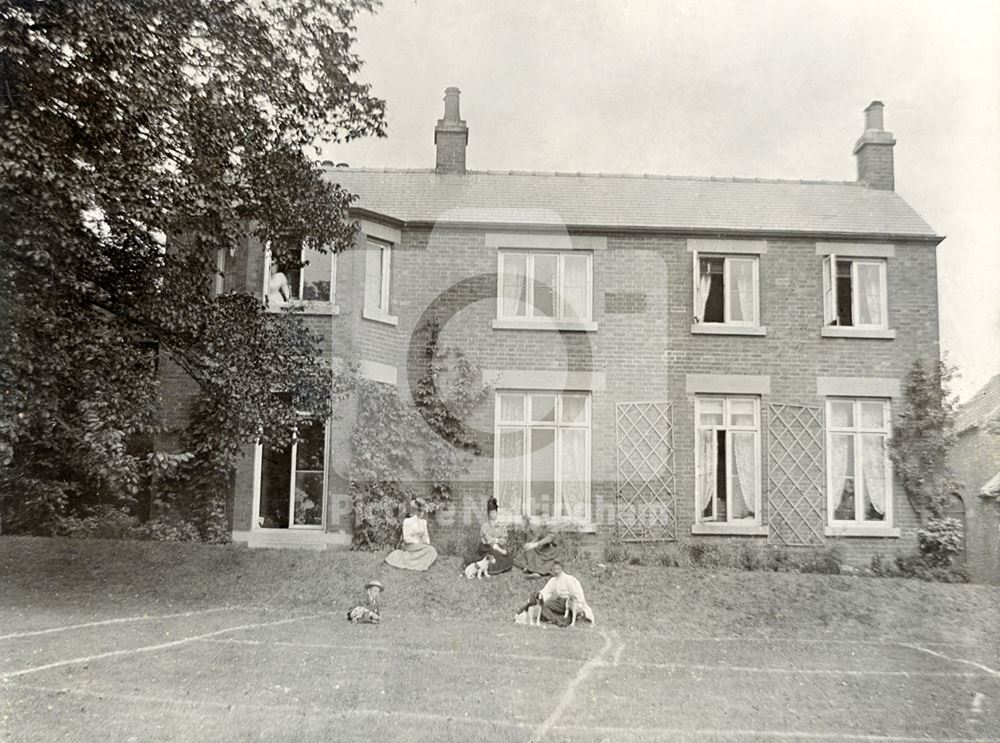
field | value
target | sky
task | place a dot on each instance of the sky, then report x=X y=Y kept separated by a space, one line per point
x=768 y=89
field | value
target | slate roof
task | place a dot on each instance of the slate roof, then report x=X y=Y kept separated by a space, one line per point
x=981 y=407
x=623 y=202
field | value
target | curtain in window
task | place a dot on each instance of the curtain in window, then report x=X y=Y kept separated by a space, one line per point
x=873 y=470
x=513 y=293
x=574 y=288
x=841 y=467
x=741 y=291
x=869 y=294
x=573 y=460
x=706 y=455
x=510 y=470
x=744 y=462
x=702 y=290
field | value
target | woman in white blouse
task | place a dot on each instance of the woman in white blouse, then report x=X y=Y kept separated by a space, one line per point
x=415 y=552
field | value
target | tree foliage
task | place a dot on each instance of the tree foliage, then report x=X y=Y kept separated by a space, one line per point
x=923 y=435
x=138 y=138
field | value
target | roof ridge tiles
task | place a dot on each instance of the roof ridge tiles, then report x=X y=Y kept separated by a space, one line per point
x=582 y=174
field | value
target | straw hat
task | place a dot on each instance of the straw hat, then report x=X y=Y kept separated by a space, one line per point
x=374 y=584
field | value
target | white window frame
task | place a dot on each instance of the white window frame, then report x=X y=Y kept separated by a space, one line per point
x=830 y=297
x=727 y=401
x=299 y=301
x=377 y=308
x=529 y=303
x=856 y=431
x=525 y=424
x=257 y=484
x=726 y=258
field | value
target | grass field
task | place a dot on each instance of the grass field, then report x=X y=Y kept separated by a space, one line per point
x=155 y=642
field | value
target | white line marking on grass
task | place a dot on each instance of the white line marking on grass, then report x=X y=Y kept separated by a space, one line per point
x=801 y=640
x=393 y=649
x=595 y=661
x=117 y=620
x=294 y=709
x=803 y=671
x=683 y=733
x=153 y=648
x=990 y=671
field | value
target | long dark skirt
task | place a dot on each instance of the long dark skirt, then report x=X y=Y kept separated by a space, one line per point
x=503 y=563
x=552 y=610
x=539 y=560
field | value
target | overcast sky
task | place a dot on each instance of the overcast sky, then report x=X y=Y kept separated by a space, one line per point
x=771 y=89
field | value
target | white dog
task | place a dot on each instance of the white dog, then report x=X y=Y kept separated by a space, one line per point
x=481 y=568
x=571 y=608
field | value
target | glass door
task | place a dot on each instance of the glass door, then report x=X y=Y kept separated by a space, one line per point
x=293 y=479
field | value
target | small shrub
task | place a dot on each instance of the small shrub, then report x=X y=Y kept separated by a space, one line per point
x=101 y=522
x=940 y=541
x=822 y=561
x=615 y=550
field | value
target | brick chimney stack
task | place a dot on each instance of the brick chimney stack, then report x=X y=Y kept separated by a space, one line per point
x=874 y=151
x=451 y=136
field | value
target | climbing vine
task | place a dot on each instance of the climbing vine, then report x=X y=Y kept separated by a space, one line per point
x=395 y=456
x=923 y=434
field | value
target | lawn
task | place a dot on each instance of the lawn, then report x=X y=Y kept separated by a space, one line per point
x=148 y=641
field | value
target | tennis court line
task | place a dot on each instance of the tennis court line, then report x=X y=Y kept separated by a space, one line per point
x=596 y=660
x=153 y=648
x=991 y=671
x=684 y=733
x=295 y=710
x=615 y=660
x=120 y=620
x=397 y=650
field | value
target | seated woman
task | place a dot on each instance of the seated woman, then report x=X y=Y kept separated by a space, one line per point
x=559 y=589
x=493 y=541
x=416 y=552
x=540 y=553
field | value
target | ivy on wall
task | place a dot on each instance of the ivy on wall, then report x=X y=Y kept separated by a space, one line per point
x=395 y=457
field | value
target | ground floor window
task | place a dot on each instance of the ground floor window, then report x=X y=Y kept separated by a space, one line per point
x=542 y=454
x=727 y=459
x=859 y=475
x=292 y=483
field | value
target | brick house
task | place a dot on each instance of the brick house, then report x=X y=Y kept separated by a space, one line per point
x=672 y=358
x=976 y=464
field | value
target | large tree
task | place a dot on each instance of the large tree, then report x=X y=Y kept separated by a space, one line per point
x=137 y=139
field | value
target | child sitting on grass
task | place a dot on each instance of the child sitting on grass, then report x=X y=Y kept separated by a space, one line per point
x=371 y=611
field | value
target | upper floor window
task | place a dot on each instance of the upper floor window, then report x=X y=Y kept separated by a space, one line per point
x=727 y=289
x=314 y=281
x=854 y=292
x=378 y=273
x=727 y=459
x=545 y=285
x=859 y=483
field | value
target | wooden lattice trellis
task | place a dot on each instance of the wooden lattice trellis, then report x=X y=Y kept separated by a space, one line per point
x=795 y=474
x=645 y=473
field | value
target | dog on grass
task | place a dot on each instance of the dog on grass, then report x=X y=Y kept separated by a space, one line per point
x=571 y=610
x=535 y=615
x=480 y=569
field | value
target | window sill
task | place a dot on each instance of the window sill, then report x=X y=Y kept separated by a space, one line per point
x=861 y=531
x=712 y=329
x=308 y=307
x=578 y=326
x=834 y=332
x=562 y=525
x=379 y=316
x=746 y=530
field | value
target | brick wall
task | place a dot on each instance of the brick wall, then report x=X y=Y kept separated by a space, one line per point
x=644 y=348
x=974 y=460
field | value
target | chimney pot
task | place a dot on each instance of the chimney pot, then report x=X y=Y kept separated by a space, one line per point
x=873 y=115
x=451 y=136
